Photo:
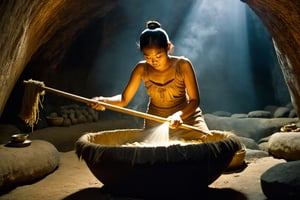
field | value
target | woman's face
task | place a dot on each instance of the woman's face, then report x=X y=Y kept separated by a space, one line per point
x=156 y=57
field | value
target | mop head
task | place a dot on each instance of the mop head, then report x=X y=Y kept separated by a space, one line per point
x=31 y=101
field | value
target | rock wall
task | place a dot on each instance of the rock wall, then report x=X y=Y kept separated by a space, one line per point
x=282 y=19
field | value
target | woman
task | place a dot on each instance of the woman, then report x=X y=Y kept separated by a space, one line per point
x=170 y=82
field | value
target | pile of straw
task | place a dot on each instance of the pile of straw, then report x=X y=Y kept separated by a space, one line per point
x=31 y=101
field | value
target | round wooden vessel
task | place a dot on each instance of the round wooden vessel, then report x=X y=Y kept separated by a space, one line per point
x=156 y=170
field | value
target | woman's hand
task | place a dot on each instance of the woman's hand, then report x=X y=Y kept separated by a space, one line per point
x=97 y=106
x=175 y=120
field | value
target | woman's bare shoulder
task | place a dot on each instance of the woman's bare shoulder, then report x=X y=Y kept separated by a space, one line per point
x=142 y=62
x=140 y=67
x=182 y=61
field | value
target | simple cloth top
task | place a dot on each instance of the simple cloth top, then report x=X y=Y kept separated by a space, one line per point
x=169 y=94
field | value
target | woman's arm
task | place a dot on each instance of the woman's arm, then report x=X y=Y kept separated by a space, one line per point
x=191 y=88
x=192 y=92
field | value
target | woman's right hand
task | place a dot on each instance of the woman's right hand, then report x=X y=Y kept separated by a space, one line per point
x=175 y=120
x=97 y=106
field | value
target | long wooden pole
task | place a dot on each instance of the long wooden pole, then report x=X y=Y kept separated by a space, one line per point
x=118 y=108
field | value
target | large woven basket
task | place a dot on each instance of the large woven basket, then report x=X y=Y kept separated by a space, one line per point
x=160 y=170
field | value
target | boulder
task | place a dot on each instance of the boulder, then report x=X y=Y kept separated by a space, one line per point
x=285 y=145
x=255 y=128
x=249 y=143
x=282 y=181
x=281 y=112
x=23 y=165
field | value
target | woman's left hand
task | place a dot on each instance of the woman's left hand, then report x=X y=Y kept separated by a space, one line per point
x=97 y=106
x=175 y=120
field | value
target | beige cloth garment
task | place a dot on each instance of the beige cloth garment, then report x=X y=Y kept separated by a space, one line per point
x=166 y=99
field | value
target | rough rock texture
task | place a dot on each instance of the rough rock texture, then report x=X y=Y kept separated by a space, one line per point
x=21 y=165
x=282 y=19
x=275 y=185
x=285 y=145
x=28 y=26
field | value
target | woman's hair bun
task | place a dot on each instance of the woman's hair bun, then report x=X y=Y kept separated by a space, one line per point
x=153 y=24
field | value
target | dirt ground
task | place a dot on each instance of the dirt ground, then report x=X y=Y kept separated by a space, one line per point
x=73 y=180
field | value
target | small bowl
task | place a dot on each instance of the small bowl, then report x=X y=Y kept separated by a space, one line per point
x=19 y=138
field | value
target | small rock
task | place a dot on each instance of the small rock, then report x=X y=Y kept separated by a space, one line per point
x=281 y=112
x=259 y=114
x=292 y=113
x=271 y=109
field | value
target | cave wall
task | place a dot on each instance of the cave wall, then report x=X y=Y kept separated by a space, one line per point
x=27 y=25
x=282 y=19
x=27 y=29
